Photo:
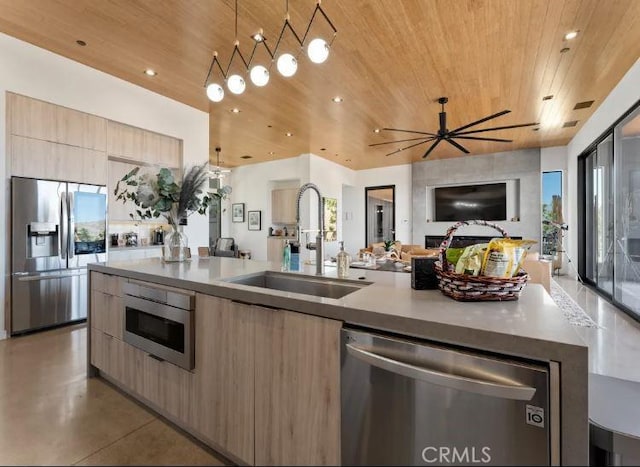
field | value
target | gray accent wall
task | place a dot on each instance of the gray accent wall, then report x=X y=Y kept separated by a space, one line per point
x=520 y=169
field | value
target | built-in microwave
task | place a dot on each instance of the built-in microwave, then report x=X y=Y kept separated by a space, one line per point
x=160 y=322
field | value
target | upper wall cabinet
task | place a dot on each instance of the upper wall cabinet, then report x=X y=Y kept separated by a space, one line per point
x=283 y=205
x=33 y=118
x=42 y=159
x=139 y=145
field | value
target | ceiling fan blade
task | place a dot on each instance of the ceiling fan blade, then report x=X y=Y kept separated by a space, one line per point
x=484 y=139
x=413 y=145
x=493 y=129
x=410 y=131
x=399 y=141
x=481 y=120
x=431 y=148
x=459 y=146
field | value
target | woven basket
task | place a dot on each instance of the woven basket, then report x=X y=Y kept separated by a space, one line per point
x=464 y=287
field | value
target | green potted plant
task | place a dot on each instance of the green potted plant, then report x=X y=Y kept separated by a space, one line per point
x=162 y=195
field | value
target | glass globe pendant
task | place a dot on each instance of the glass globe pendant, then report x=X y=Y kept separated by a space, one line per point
x=259 y=75
x=215 y=92
x=236 y=84
x=318 y=50
x=287 y=65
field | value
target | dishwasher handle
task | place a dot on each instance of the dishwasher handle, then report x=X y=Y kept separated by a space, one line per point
x=462 y=383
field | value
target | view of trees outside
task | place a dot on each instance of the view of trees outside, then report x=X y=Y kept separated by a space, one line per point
x=552 y=212
x=330 y=219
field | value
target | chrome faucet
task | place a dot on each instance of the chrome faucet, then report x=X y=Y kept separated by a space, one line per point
x=319 y=245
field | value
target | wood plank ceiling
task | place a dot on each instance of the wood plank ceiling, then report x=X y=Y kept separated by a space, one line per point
x=390 y=61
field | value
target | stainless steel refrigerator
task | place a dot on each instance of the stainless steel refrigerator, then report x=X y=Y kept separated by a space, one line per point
x=57 y=229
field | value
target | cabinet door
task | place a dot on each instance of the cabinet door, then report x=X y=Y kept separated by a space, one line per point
x=283 y=205
x=43 y=159
x=274 y=249
x=124 y=141
x=41 y=120
x=297 y=404
x=224 y=375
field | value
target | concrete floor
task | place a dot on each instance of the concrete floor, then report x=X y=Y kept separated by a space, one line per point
x=50 y=413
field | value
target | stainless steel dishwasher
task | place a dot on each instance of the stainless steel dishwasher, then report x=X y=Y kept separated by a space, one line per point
x=409 y=402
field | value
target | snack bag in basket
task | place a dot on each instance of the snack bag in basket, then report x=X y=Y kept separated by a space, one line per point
x=470 y=261
x=504 y=256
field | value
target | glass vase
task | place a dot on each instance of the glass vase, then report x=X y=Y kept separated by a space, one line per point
x=175 y=246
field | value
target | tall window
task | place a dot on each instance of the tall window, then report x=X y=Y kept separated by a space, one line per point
x=552 y=217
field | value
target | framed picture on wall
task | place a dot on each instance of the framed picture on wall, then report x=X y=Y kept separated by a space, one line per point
x=237 y=212
x=255 y=220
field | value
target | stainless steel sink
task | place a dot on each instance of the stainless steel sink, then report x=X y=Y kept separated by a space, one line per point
x=308 y=285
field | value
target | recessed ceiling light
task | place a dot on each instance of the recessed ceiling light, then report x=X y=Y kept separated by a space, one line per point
x=246 y=156
x=547 y=98
x=337 y=99
x=323 y=149
x=81 y=43
x=235 y=110
x=269 y=126
x=271 y=153
x=150 y=72
x=288 y=133
x=376 y=130
x=564 y=50
x=571 y=35
x=348 y=160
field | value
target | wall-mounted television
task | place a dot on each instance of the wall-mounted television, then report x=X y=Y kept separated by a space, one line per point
x=483 y=201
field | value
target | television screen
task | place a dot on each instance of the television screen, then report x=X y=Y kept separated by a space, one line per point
x=458 y=203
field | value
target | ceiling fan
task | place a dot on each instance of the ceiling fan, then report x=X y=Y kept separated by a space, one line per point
x=216 y=171
x=444 y=134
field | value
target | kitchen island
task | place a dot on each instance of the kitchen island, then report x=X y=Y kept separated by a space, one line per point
x=265 y=388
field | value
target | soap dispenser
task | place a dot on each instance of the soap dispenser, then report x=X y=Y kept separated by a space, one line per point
x=286 y=256
x=343 y=259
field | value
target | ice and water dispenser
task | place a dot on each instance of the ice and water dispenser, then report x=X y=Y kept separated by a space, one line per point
x=42 y=239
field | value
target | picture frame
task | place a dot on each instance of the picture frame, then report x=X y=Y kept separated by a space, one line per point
x=254 y=220
x=237 y=212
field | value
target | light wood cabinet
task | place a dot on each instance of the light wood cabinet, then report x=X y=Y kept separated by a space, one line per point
x=283 y=205
x=44 y=121
x=297 y=380
x=43 y=159
x=225 y=375
x=274 y=249
x=107 y=313
x=125 y=141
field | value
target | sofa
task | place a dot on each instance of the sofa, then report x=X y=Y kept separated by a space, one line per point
x=401 y=252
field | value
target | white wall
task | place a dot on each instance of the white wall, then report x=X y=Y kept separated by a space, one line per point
x=620 y=99
x=400 y=176
x=252 y=185
x=34 y=72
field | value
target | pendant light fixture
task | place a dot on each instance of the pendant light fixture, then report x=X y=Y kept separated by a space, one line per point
x=287 y=63
x=218 y=172
x=318 y=48
x=235 y=82
x=318 y=51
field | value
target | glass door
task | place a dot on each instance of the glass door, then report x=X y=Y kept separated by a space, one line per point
x=627 y=219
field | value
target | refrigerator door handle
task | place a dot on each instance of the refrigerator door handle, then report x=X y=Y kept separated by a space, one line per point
x=72 y=226
x=62 y=237
x=462 y=383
